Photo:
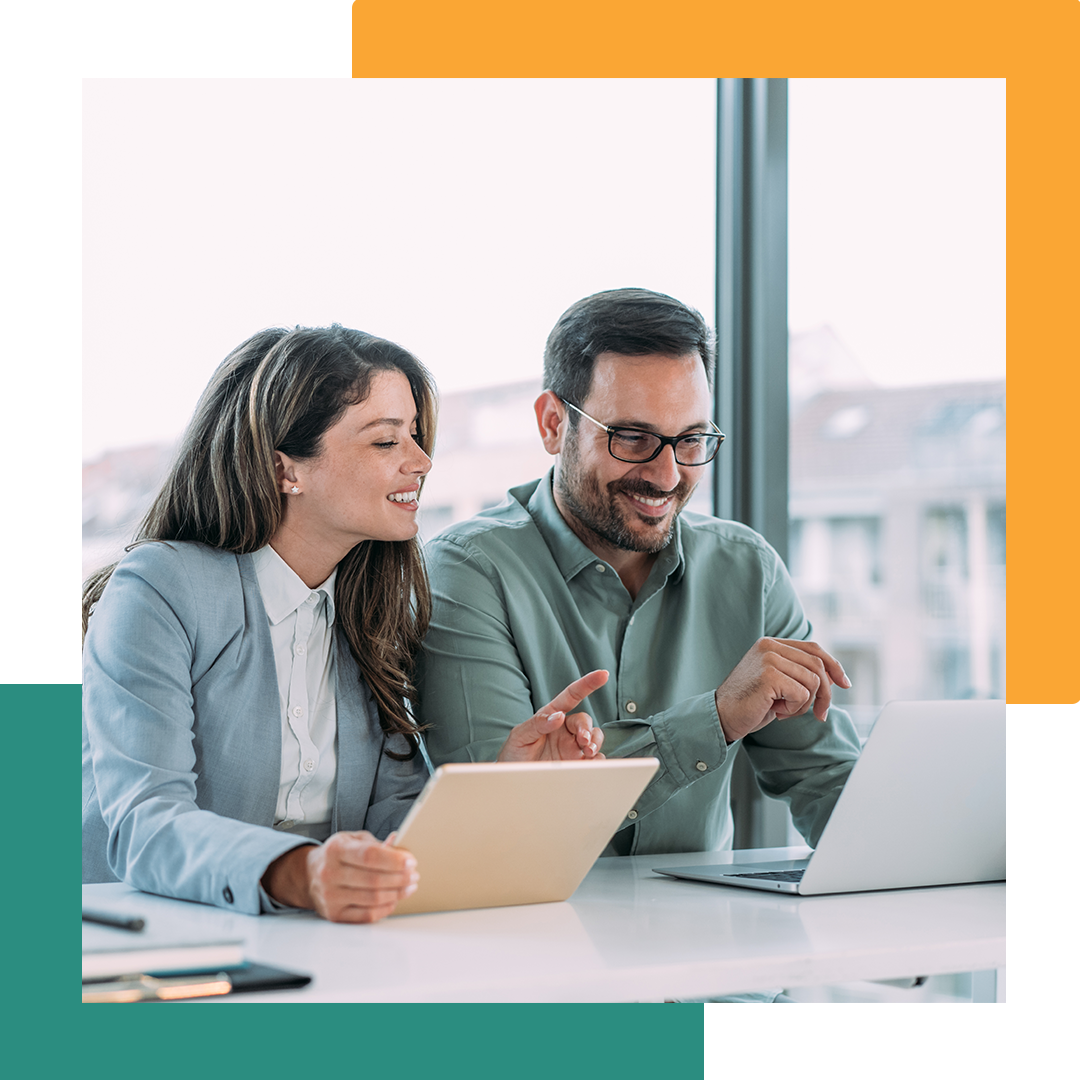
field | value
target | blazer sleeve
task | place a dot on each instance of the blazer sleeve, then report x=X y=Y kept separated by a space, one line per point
x=138 y=710
x=397 y=783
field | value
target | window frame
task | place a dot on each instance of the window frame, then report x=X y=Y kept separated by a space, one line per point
x=750 y=474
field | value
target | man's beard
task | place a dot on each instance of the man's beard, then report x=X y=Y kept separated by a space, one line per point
x=599 y=512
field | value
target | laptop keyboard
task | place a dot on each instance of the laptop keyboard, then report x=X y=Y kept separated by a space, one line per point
x=776 y=875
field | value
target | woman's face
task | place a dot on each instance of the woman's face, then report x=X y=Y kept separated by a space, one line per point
x=365 y=482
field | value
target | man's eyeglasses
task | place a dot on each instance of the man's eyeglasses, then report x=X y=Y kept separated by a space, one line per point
x=630 y=444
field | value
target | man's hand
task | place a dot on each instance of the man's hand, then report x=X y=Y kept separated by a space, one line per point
x=351 y=878
x=776 y=679
x=551 y=735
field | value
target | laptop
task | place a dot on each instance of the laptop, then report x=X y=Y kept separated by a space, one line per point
x=491 y=834
x=924 y=805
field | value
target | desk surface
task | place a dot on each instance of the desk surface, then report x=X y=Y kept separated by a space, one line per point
x=625 y=935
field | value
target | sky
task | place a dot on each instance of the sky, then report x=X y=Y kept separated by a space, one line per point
x=460 y=217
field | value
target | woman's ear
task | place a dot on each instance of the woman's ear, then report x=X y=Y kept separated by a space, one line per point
x=551 y=419
x=285 y=474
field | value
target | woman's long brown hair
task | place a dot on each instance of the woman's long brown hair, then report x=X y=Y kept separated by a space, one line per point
x=282 y=390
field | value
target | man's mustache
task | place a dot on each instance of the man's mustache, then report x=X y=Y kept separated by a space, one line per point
x=647 y=490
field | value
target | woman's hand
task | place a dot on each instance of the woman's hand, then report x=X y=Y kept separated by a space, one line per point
x=551 y=735
x=351 y=878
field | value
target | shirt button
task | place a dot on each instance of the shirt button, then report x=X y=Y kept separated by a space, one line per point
x=300 y=650
x=632 y=815
x=309 y=765
x=600 y=568
x=298 y=711
x=701 y=766
x=631 y=706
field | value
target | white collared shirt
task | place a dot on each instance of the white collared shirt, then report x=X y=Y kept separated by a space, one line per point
x=301 y=630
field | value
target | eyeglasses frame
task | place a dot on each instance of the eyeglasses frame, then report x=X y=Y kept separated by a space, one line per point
x=665 y=440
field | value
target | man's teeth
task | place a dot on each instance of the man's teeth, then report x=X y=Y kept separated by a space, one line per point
x=403 y=496
x=650 y=502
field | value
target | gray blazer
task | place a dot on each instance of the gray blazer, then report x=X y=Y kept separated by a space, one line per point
x=182 y=733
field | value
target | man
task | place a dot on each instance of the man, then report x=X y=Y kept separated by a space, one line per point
x=596 y=566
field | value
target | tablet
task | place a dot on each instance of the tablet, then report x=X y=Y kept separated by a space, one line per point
x=491 y=834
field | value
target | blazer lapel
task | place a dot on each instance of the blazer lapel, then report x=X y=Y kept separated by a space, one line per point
x=359 y=742
x=262 y=711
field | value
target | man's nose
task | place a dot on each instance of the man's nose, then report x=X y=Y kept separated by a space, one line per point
x=663 y=470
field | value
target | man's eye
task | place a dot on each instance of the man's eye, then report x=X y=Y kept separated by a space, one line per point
x=630 y=438
x=692 y=441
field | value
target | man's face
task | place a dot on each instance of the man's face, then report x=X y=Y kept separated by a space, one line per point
x=630 y=506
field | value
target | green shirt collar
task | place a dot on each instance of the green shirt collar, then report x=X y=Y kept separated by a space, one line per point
x=571 y=555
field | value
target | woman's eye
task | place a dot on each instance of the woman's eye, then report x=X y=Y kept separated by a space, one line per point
x=386 y=445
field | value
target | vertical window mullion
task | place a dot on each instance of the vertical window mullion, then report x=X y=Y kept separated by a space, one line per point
x=750 y=484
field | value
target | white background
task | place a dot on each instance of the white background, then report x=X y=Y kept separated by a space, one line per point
x=1038 y=1051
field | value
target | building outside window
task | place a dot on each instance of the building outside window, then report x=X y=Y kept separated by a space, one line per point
x=896 y=380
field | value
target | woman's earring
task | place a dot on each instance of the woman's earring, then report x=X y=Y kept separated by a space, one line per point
x=295 y=490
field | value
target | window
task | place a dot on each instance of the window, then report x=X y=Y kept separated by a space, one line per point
x=459 y=217
x=897 y=380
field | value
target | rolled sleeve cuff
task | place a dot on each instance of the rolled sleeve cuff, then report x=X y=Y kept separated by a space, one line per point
x=690 y=740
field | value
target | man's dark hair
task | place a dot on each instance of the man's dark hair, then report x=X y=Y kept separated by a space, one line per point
x=630 y=322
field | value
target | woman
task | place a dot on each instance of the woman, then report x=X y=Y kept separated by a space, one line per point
x=247 y=736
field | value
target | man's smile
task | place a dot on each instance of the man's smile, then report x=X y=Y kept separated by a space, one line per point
x=650 y=507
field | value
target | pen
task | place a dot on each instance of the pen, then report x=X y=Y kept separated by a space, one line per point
x=120 y=922
x=147 y=988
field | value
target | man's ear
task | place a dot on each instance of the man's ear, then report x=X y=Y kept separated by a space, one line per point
x=552 y=421
x=285 y=473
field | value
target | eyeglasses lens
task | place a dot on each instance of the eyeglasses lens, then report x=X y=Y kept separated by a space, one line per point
x=641 y=446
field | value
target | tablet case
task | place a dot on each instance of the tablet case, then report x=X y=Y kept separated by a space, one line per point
x=491 y=834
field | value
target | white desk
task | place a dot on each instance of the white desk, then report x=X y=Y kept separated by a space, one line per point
x=625 y=935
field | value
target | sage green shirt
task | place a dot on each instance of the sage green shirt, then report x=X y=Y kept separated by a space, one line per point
x=522 y=608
